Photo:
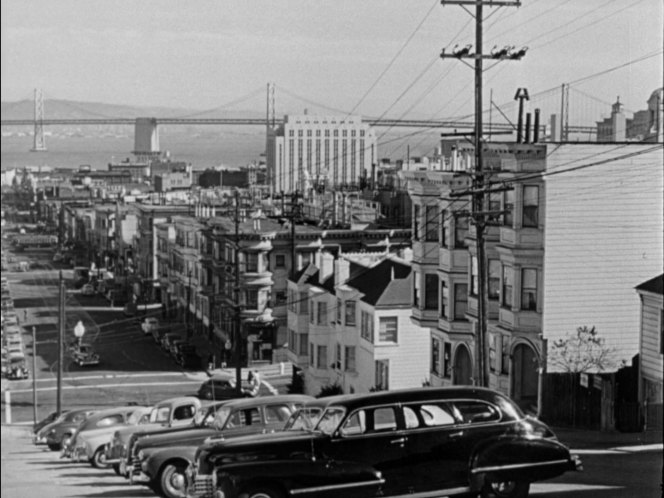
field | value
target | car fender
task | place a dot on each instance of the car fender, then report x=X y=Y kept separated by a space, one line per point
x=519 y=458
x=158 y=459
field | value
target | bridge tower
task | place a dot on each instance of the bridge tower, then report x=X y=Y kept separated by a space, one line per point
x=270 y=125
x=39 y=142
x=146 y=140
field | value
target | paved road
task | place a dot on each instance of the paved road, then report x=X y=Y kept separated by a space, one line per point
x=133 y=368
x=29 y=471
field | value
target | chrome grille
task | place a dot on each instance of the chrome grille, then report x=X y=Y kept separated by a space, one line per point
x=136 y=467
x=203 y=487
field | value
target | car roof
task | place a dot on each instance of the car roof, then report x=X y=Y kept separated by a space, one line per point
x=112 y=411
x=268 y=400
x=354 y=401
x=177 y=400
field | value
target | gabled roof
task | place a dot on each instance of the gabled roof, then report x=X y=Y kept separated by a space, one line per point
x=385 y=284
x=654 y=285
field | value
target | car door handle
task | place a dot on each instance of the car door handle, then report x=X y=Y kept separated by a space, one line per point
x=454 y=435
x=401 y=441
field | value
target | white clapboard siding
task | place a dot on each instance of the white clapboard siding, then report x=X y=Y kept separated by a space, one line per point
x=603 y=237
x=652 y=365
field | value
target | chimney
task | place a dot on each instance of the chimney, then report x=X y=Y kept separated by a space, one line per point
x=325 y=266
x=341 y=271
x=527 y=137
x=536 y=127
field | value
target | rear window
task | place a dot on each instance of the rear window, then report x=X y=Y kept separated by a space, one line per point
x=477 y=412
x=277 y=413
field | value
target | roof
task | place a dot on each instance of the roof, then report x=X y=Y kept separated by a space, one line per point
x=654 y=285
x=385 y=284
x=354 y=401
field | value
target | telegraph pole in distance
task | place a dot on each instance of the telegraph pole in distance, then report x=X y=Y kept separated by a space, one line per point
x=34 y=374
x=478 y=213
x=236 y=300
x=61 y=339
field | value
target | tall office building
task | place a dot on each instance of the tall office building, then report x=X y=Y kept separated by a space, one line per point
x=308 y=151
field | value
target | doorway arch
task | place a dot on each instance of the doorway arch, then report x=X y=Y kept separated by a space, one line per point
x=463 y=366
x=525 y=376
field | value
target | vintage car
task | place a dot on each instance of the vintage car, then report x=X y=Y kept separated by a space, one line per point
x=222 y=386
x=171 y=412
x=89 y=441
x=162 y=457
x=426 y=442
x=48 y=419
x=61 y=430
x=16 y=367
x=83 y=355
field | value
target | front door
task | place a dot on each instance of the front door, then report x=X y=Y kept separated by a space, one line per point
x=463 y=367
x=374 y=437
x=524 y=377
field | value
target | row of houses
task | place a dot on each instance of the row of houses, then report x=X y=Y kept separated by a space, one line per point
x=574 y=230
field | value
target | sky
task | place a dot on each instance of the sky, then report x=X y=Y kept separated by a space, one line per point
x=371 y=57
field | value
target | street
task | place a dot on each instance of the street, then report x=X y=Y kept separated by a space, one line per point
x=132 y=367
x=608 y=473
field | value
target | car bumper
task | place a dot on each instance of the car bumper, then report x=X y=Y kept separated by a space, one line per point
x=139 y=478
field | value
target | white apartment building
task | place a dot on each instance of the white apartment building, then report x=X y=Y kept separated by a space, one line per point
x=307 y=151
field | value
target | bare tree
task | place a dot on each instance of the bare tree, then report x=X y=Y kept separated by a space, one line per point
x=582 y=351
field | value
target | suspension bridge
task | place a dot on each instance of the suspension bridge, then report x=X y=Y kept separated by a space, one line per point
x=39 y=121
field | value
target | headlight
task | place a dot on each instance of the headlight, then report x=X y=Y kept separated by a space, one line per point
x=214 y=478
x=141 y=455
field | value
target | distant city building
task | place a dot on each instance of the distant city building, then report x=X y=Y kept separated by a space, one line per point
x=645 y=125
x=309 y=151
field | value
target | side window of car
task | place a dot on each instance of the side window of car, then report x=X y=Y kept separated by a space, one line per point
x=384 y=419
x=410 y=417
x=108 y=421
x=184 y=412
x=477 y=412
x=276 y=413
x=436 y=415
x=355 y=424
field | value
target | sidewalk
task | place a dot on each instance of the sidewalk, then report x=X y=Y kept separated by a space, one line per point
x=583 y=439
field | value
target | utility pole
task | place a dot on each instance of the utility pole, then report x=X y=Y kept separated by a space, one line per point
x=34 y=374
x=237 y=352
x=478 y=213
x=61 y=340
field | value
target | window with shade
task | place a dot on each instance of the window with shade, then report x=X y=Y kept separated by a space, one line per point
x=416 y=222
x=494 y=279
x=443 y=229
x=388 y=329
x=444 y=299
x=350 y=313
x=304 y=340
x=530 y=206
x=416 y=289
x=321 y=357
x=474 y=278
x=508 y=207
x=431 y=224
x=460 y=231
x=529 y=289
x=460 y=301
x=431 y=291
x=435 y=356
x=349 y=359
x=322 y=313
x=508 y=282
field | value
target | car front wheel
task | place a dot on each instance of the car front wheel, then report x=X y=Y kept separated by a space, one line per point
x=506 y=489
x=172 y=480
x=261 y=492
x=98 y=460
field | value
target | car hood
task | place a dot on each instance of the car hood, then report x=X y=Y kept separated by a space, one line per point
x=277 y=444
x=192 y=435
x=126 y=432
x=96 y=433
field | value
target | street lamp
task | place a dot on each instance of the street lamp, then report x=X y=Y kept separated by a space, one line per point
x=79 y=331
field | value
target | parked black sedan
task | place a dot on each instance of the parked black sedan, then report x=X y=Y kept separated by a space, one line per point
x=428 y=442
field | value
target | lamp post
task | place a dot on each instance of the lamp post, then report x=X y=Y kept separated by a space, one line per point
x=79 y=331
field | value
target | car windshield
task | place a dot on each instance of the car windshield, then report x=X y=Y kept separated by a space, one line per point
x=135 y=417
x=330 y=420
x=304 y=419
x=220 y=418
x=160 y=414
x=203 y=417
